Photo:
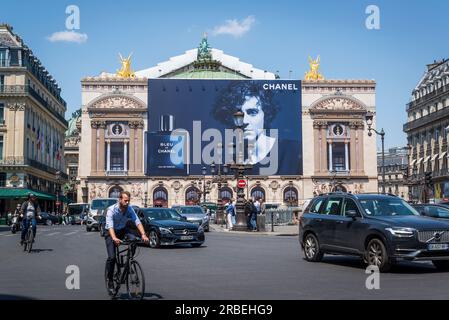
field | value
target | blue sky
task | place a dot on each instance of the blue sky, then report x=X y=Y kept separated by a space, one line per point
x=275 y=35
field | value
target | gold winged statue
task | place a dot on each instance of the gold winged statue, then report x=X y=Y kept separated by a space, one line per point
x=313 y=73
x=125 y=71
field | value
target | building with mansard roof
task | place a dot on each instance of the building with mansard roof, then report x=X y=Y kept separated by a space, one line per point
x=427 y=131
x=338 y=154
x=32 y=127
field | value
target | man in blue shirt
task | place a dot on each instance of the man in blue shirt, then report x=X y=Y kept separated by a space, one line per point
x=117 y=218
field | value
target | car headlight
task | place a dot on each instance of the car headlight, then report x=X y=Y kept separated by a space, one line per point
x=205 y=218
x=401 y=232
x=200 y=229
x=164 y=230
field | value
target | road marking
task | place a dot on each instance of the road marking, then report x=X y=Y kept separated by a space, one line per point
x=8 y=235
x=90 y=232
x=52 y=234
x=68 y=234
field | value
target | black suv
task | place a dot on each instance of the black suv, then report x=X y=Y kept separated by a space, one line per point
x=382 y=229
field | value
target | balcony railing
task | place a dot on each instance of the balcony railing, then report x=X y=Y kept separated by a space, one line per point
x=19 y=89
x=117 y=173
x=431 y=118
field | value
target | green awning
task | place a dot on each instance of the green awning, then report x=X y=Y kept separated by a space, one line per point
x=18 y=193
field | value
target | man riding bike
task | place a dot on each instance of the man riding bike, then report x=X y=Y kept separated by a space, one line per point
x=117 y=218
x=29 y=210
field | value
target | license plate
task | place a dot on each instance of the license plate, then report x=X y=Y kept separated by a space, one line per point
x=186 y=237
x=438 y=246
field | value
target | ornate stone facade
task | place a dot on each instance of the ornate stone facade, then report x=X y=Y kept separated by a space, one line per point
x=117 y=104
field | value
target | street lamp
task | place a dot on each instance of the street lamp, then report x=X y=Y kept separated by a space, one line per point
x=204 y=171
x=239 y=171
x=145 y=199
x=219 y=178
x=58 y=190
x=369 y=121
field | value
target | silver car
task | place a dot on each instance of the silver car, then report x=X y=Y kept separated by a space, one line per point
x=194 y=214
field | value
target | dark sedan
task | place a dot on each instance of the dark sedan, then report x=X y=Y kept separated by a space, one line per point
x=165 y=227
x=47 y=219
x=432 y=210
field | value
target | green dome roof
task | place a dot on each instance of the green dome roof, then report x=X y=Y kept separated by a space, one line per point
x=207 y=74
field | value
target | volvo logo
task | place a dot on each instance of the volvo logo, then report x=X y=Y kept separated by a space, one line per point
x=436 y=236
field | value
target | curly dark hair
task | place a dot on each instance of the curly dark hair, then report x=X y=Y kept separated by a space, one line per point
x=234 y=95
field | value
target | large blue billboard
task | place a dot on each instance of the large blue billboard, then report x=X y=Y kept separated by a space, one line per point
x=191 y=123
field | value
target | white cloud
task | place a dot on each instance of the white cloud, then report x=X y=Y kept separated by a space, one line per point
x=234 y=27
x=68 y=36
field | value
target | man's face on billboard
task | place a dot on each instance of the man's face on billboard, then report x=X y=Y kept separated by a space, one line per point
x=253 y=119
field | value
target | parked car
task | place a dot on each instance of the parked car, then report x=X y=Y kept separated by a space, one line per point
x=165 y=226
x=382 y=229
x=48 y=219
x=92 y=223
x=432 y=210
x=194 y=214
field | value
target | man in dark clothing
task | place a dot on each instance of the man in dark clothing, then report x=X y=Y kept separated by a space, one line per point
x=248 y=212
x=29 y=211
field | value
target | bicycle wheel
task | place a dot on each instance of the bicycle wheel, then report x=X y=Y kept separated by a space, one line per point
x=135 y=281
x=30 y=238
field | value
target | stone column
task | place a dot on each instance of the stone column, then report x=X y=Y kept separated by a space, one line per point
x=132 y=146
x=93 y=149
x=352 y=147
x=330 y=156
x=125 y=155
x=360 y=145
x=317 y=146
x=139 y=147
x=101 y=151
x=346 y=156
x=108 y=156
x=323 y=148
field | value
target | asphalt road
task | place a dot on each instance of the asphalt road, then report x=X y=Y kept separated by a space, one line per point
x=227 y=267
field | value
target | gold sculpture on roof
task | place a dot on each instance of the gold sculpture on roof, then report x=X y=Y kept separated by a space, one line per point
x=313 y=73
x=125 y=71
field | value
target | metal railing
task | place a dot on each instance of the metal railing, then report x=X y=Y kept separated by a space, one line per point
x=280 y=217
x=21 y=89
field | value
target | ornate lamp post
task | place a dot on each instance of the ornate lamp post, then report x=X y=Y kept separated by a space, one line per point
x=219 y=179
x=204 y=171
x=239 y=169
x=369 y=121
x=58 y=190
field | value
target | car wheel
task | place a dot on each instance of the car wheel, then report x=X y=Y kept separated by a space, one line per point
x=155 y=241
x=441 y=264
x=376 y=255
x=48 y=222
x=312 y=250
x=196 y=245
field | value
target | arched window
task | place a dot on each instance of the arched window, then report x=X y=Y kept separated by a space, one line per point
x=192 y=196
x=160 y=197
x=258 y=192
x=291 y=196
x=114 y=192
x=226 y=194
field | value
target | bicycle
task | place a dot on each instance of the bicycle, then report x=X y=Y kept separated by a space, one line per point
x=29 y=239
x=132 y=273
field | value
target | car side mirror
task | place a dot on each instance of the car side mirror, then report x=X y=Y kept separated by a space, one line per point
x=352 y=214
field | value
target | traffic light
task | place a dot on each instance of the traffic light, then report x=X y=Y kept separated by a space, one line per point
x=428 y=178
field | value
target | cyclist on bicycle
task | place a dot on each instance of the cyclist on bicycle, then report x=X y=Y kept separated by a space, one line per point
x=29 y=210
x=117 y=218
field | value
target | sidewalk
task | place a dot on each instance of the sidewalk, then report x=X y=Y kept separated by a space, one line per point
x=290 y=230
